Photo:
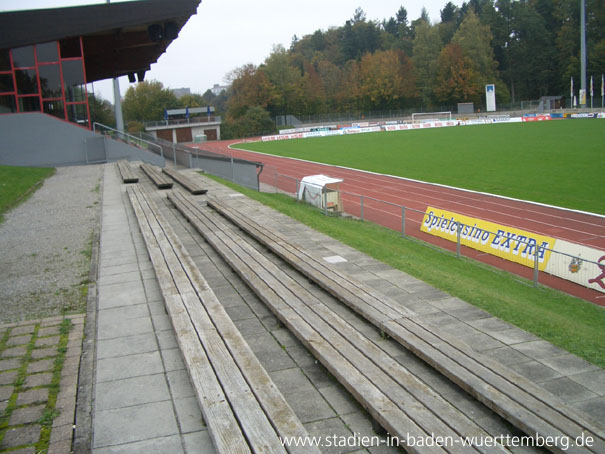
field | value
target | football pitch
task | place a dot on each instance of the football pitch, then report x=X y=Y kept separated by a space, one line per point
x=559 y=163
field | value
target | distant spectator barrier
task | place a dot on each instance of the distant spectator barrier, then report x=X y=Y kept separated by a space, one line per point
x=530 y=255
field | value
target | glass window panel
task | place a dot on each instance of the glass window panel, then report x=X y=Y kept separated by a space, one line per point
x=5 y=61
x=70 y=48
x=6 y=83
x=73 y=77
x=29 y=104
x=54 y=108
x=27 y=82
x=50 y=81
x=23 y=56
x=47 y=52
x=8 y=104
x=76 y=113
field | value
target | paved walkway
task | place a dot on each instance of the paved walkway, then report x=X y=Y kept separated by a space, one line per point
x=142 y=400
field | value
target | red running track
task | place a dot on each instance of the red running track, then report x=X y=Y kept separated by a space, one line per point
x=577 y=227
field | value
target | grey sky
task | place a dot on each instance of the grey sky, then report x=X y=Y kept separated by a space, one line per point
x=226 y=34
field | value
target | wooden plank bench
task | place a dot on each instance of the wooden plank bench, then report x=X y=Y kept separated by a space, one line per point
x=188 y=183
x=523 y=403
x=394 y=396
x=244 y=410
x=126 y=172
x=156 y=176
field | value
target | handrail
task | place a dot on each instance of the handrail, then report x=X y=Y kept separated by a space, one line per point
x=128 y=137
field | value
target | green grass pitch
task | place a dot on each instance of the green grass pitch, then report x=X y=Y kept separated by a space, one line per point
x=559 y=163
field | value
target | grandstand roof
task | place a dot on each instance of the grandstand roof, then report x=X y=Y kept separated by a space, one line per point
x=118 y=38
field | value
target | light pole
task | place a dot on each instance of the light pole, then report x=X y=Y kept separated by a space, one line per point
x=583 y=52
x=117 y=102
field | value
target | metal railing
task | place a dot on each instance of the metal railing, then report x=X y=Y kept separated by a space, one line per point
x=185 y=121
x=128 y=138
x=407 y=221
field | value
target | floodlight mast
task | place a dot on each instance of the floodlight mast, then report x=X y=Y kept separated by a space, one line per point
x=583 y=51
x=117 y=103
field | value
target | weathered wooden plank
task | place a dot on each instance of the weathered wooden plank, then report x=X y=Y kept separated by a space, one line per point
x=192 y=186
x=224 y=429
x=270 y=398
x=355 y=294
x=280 y=415
x=506 y=397
x=541 y=403
x=126 y=172
x=156 y=177
x=259 y=432
x=272 y=291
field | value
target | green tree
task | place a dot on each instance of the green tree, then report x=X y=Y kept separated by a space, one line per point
x=255 y=121
x=146 y=101
x=386 y=80
x=475 y=39
x=427 y=46
x=101 y=111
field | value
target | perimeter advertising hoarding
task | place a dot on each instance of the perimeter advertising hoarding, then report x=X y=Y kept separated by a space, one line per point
x=509 y=243
x=580 y=264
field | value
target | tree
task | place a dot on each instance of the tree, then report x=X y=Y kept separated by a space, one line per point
x=101 y=111
x=287 y=81
x=255 y=121
x=249 y=87
x=475 y=39
x=427 y=46
x=457 y=80
x=146 y=101
x=386 y=79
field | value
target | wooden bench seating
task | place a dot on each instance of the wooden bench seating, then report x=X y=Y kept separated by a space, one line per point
x=242 y=407
x=523 y=403
x=126 y=172
x=156 y=176
x=394 y=396
x=188 y=183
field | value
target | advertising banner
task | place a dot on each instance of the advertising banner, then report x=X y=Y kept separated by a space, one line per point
x=509 y=243
x=580 y=264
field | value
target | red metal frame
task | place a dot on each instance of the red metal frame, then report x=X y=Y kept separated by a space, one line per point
x=39 y=95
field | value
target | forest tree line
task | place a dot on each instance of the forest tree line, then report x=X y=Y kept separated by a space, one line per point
x=527 y=48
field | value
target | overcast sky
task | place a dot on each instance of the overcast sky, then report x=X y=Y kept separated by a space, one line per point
x=226 y=34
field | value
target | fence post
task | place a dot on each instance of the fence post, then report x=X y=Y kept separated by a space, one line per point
x=402 y=221
x=232 y=170
x=174 y=154
x=536 y=265
x=361 y=205
x=191 y=160
x=325 y=194
x=297 y=186
x=458 y=235
x=276 y=189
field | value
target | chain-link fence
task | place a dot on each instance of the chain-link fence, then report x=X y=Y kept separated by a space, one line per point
x=526 y=256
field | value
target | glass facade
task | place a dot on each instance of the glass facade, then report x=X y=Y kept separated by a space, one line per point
x=48 y=78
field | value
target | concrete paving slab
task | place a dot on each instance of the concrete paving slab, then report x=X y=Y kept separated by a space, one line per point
x=120 y=367
x=137 y=423
x=131 y=391
x=126 y=346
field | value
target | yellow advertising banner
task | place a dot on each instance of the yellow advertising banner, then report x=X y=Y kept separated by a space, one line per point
x=506 y=242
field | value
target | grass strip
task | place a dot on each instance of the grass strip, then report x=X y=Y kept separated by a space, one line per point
x=568 y=322
x=18 y=183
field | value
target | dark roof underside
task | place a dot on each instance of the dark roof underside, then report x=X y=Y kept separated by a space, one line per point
x=116 y=35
